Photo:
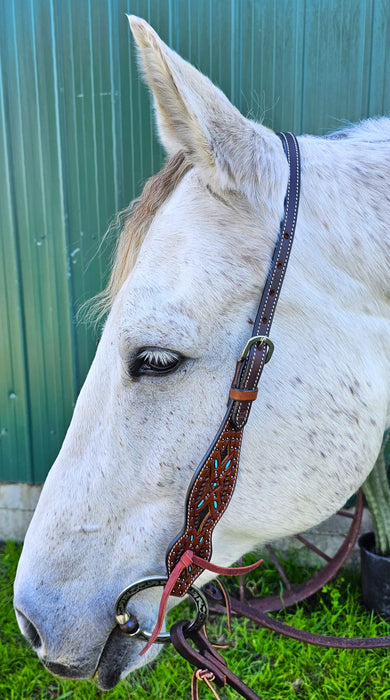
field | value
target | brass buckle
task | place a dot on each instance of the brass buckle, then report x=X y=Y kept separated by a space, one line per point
x=259 y=340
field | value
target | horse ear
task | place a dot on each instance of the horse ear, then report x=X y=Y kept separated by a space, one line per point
x=195 y=116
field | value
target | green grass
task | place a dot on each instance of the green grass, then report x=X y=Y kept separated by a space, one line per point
x=275 y=667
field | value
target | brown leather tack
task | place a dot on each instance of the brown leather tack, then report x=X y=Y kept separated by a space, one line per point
x=208 y=498
x=243 y=394
x=204 y=656
x=213 y=483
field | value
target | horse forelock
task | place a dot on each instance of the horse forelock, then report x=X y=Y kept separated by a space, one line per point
x=135 y=221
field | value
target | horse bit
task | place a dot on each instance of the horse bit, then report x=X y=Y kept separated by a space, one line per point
x=213 y=483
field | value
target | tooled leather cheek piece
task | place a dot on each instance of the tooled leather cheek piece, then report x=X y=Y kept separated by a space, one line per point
x=213 y=483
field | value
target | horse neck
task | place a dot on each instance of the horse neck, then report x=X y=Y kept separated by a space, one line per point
x=345 y=211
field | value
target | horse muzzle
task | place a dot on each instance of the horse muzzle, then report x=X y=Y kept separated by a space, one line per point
x=82 y=668
x=106 y=660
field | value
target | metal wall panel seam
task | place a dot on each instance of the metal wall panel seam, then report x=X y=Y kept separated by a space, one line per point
x=57 y=54
x=15 y=442
x=49 y=251
x=115 y=104
x=27 y=471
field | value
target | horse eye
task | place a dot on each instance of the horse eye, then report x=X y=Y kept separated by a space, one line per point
x=155 y=361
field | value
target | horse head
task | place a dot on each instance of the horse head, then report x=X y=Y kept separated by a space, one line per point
x=190 y=266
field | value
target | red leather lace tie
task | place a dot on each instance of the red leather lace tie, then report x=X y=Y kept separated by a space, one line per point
x=187 y=559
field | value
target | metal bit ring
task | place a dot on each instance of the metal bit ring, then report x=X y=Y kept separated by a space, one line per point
x=123 y=617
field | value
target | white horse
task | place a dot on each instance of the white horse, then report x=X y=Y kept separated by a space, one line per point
x=190 y=267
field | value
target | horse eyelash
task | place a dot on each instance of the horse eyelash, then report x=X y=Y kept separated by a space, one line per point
x=154 y=356
x=157 y=356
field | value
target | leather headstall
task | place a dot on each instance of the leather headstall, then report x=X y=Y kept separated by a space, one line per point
x=213 y=483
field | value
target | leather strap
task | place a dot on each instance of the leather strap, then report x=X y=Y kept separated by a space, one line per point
x=243 y=394
x=249 y=371
x=204 y=656
x=213 y=483
x=244 y=609
x=186 y=561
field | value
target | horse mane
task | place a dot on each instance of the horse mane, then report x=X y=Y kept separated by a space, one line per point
x=134 y=222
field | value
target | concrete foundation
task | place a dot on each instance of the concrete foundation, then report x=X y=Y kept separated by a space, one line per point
x=328 y=536
x=17 y=505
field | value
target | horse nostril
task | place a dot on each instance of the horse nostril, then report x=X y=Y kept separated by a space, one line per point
x=29 y=631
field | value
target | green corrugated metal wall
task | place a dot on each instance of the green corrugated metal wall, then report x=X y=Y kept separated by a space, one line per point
x=76 y=142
